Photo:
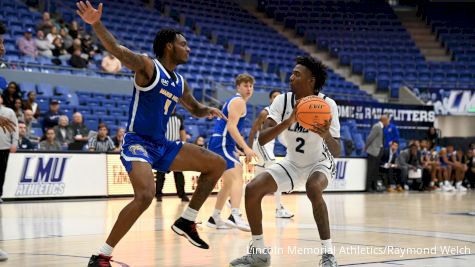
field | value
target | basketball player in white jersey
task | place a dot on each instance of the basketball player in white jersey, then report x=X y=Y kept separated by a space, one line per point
x=266 y=155
x=309 y=160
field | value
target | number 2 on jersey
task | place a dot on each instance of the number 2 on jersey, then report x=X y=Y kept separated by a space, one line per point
x=299 y=147
x=167 y=105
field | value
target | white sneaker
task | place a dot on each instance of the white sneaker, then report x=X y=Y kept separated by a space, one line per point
x=447 y=188
x=238 y=222
x=217 y=223
x=3 y=255
x=283 y=213
x=461 y=188
x=255 y=258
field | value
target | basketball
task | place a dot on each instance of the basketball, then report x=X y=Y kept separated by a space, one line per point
x=312 y=110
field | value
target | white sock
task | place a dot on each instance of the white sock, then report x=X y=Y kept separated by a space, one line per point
x=446 y=183
x=235 y=212
x=458 y=184
x=216 y=213
x=190 y=214
x=106 y=250
x=258 y=241
x=327 y=246
x=277 y=198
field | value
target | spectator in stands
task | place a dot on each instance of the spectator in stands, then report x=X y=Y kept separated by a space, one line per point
x=101 y=142
x=67 y=39
x=23 y=142
x=27 y=45
x=12 y=93
x=53 y=35
x=64 y=134
x=111 y=64
x=43 y=45
x=29 y=120
x=46 y=24
x=30 y=103
x=17 y=108
x=8 y=141
x=432 y=136
x=200 y=141
x=77 y=61
x=374 y=148
x=74 y=30
x=88 y=47
x=409 y=160
x=80 y=132
x=59 y=51
x=76 y=45
x=390 y=169
x=470 y=162
x=51 y=117
x=50 y=143
x=391 y=133
x=117 y=139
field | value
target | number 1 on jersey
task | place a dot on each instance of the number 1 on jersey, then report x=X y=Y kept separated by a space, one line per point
x=167 y=105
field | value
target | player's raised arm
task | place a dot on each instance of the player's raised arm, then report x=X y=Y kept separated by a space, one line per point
x=141 y=64
x=196 y=108
x=256 y=127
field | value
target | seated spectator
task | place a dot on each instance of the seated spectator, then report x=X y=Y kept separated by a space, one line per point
x=101 y=142
x=74 y=30
x=433 y=136
x=77 y=61
x=67 y=39
x=459 y=169
x=429 y=164
x=111 y=64
x=51 y=117
x=58 y=48
x=470 y=162
x=390 y=169
x=53 y=35
x=18 y=110
x=446 y=170
x=64 y=134
x=30 y=103
x=80 y=132
x=409 y=160
x=50 y=143
x=29 y=120
x=117 y=139
x=200 y=141
x=13 y=92
x=26 y=44
x=23 y=142
x=46 y=24
x=43 y=45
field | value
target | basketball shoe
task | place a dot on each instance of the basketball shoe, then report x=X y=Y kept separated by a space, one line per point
x=3 y=255
x=238 y=222
x=328 y=260
x=188 y=230
x=283 y=213
x=99 y=261
x=255 y=258
x=217 y=222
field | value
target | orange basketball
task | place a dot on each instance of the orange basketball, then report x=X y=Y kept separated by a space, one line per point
x=312 y=110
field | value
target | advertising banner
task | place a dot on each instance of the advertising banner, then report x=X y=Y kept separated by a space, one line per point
x=448 y=102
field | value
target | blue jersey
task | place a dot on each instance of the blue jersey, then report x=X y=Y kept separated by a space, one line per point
x=152 y=106
x=220 y=128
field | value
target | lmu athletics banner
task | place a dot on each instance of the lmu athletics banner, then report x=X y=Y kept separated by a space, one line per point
x=36 y=175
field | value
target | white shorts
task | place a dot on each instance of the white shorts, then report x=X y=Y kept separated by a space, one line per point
x=289 y=176
x=264 y=155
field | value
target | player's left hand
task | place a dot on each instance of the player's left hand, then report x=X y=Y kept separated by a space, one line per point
x=322 y=129
x=216 y=113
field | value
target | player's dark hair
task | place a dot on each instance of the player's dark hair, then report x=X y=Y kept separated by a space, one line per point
x=273 y=92
x=3 y=29
x=319 y=71
x=162 y=38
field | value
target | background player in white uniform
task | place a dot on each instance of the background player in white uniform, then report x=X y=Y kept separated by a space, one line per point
x=309 y=160
x=266 y=153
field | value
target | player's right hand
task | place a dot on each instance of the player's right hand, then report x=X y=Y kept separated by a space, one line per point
x=88 y=13
x=250 y=155
x=7 y=125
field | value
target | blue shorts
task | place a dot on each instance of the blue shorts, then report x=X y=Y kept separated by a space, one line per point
x=159 y=155
x=219 y=147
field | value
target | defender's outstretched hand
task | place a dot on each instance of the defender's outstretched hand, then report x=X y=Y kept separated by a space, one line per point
x=88 y=13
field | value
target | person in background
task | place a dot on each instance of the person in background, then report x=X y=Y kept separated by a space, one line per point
x=23 y=142
x=18 y=110
x=8 y=141
x=374 y=148
x=26 y=44
x=446 y=169
x=429 y=164
x=390 y=169
x=391 y=133
x=53 y=35
x=111 y=64
x=12 y=93
x=101 y=142
x=118 y=138
x=470 y=162
x=200 y=141
x=30 y=103
x=67 y=39
x=409 y=159
x=80 y=132
x=460 y=168
x=46 y=24
x=43 y=45
x=51 y=117
x=64 y=134
x=29 y=120
x=50 y=143
x=433 y=136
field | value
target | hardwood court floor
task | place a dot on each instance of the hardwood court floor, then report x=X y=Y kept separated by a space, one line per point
x=367 y=230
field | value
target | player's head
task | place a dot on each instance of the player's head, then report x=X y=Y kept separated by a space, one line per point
x=245 y=85
x=273 y=94
x=308 y=75
x=3 y=30
x=171 y=43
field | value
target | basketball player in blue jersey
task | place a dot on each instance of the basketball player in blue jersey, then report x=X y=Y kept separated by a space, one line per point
x=157 y=89
x=223 y=141
x=266 y=154
x=309 y=161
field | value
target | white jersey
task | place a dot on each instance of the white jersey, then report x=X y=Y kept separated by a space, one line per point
x=265 y=153
x=304 y=147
